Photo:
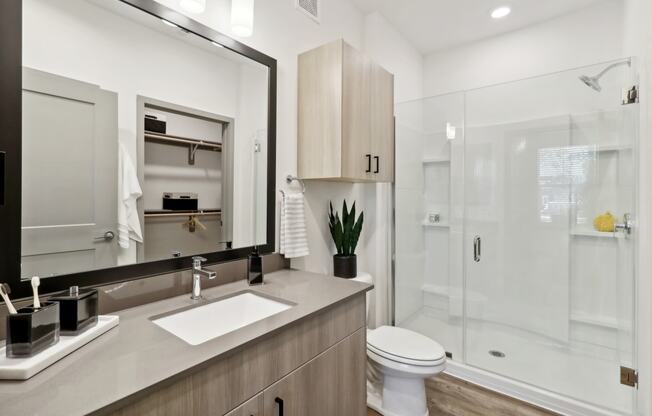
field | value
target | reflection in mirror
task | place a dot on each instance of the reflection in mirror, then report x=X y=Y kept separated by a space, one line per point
x=141 y=141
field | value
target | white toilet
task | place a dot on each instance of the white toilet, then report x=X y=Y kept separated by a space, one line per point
x=399 y=362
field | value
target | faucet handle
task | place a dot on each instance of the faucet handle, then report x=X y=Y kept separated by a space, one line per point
x=198 y=260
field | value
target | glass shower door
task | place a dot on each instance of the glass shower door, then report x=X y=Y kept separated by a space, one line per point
x=548 y=169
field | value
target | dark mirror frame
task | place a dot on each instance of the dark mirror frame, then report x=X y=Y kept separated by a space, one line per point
x=11 y=145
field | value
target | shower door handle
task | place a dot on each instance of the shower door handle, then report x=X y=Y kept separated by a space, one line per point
x=477 y=248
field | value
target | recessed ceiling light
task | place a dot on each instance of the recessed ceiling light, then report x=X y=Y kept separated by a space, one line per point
x=168 y=23
x=500 y=12
x=193 y=6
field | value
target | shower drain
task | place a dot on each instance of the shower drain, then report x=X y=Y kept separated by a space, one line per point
x=497 y=354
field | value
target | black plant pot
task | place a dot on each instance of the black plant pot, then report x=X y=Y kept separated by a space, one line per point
x=345 y=266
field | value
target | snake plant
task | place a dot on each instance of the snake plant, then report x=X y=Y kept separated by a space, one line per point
x=345 y=232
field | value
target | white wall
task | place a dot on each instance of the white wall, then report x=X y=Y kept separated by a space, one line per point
x=585 y=37
x=391 y=50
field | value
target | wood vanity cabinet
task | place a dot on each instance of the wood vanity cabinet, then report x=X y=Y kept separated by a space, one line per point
x=253 y=407
x=314 y=367
x=345 y=116
x=331 y=384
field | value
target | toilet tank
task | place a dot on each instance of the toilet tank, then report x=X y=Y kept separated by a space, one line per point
x=365 y=278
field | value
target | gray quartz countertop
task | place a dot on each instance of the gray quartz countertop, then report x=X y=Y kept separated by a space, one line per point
x=138 y=354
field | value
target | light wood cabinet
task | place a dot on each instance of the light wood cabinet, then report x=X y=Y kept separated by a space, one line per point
x=333 y=384
x=253 y=407
x=345 y=116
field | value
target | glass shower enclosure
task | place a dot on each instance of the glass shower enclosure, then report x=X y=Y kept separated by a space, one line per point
x=514 y=225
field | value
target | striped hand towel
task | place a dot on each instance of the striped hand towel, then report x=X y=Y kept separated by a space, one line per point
x=294 y=238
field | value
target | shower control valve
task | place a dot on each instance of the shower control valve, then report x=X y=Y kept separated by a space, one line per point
x=625 y=226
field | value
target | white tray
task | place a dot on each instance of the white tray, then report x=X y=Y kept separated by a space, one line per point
x=24 y=368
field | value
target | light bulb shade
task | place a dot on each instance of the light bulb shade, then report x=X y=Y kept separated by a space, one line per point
x=193 y=6
x=242 y=17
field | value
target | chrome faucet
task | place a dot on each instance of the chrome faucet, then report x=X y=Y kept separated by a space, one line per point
x=197 y=274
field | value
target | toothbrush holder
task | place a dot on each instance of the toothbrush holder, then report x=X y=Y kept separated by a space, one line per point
x=31 y=330
x=78 y=310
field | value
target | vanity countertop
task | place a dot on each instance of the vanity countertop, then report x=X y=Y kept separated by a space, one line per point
x=138 y=354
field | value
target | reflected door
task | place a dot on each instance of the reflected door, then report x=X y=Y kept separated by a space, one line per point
x=69 y=197
x=549 y=234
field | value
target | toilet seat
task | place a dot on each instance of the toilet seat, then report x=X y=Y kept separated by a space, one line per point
x=405 y=347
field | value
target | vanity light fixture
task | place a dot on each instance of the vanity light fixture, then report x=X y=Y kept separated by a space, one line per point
x=501 y=12
x=168 y=23
x=193 y=6
x=242 y=17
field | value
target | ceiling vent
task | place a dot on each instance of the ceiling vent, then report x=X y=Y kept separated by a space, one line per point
x=311 y=8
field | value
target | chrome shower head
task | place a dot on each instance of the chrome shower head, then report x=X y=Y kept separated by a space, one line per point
x=594 y=82
x=591 y=82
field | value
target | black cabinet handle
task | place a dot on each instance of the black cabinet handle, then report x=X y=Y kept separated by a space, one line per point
x=377 y=164
x=279 y=402
x=368 y=164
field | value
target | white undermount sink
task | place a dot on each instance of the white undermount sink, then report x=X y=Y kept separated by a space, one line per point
x=203 y=323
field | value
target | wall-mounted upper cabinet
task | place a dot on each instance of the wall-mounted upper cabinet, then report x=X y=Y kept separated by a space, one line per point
x=346 y=116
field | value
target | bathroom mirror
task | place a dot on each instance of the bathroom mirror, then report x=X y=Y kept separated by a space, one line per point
x=146 y=138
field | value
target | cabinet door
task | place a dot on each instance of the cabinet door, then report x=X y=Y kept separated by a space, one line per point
x=333 y=384
x=382 y=124
x=253 y=407
x=356 y=97
x=320 y=112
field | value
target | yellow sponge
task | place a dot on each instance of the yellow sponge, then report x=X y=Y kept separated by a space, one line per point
x=604 y=222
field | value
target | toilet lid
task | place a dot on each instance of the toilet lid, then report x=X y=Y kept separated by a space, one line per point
x=403 y=345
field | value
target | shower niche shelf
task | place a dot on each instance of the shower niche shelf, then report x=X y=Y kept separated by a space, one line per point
x=612 y=148
x=436 y=225
x=436 y=160
x=594 y=234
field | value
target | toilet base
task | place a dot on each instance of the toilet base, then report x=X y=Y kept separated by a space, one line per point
x=375 y=402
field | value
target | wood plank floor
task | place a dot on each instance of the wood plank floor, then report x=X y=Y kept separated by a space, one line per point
x=450 y=396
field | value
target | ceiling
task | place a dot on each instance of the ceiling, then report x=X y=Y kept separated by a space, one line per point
x=432 y=25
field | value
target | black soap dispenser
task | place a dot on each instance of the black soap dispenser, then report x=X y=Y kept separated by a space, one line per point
x=255 y=268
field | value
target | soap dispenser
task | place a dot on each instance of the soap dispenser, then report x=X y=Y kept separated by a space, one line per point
x=255 y=268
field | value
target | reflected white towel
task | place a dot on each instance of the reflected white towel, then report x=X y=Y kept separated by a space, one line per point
x=294 y=238
x=128 y=193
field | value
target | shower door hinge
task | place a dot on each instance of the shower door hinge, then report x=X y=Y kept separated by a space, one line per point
x=628 y=377
x=630 y=95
